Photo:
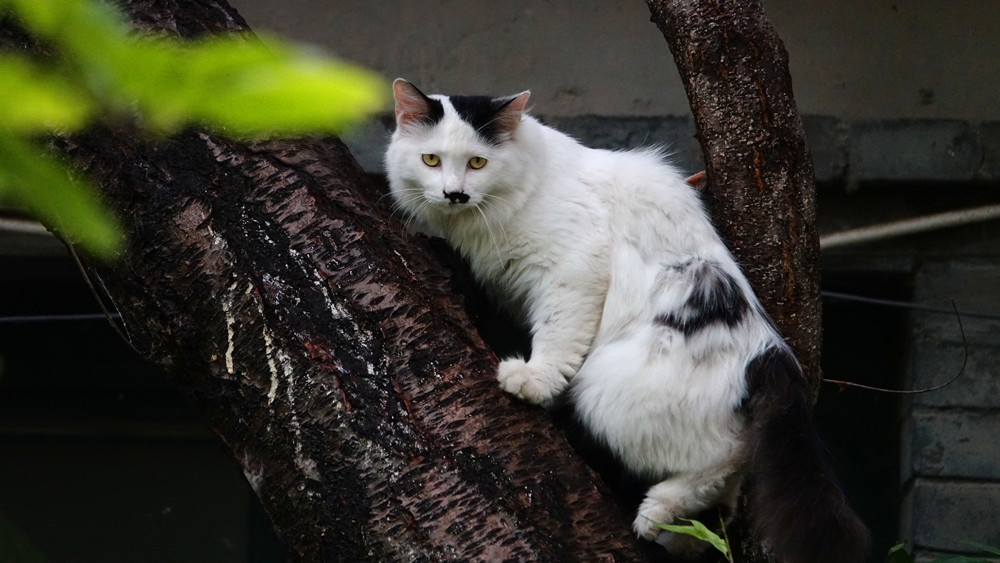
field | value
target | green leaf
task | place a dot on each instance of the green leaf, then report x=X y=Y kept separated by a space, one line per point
x=985 y=548
x=239 y=84
x=36 y=99
x=242 y=84
x=698 y=530
x=31 y=178
x=247 y=87
x=898 y=554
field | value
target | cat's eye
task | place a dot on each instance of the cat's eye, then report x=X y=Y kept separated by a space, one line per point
x=477 y=162
x=431 y=160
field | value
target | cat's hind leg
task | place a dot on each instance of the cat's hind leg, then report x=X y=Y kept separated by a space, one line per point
x=682 y=496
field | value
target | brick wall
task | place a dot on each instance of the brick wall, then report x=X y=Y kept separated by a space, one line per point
x=951 y=462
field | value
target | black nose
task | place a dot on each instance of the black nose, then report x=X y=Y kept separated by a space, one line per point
x=457 y=197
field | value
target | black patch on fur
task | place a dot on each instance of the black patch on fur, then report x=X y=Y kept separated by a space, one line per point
x=479 y=112
x=716 y=297
x=435 y=111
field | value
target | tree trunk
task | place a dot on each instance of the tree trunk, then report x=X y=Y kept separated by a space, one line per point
x=760 y=189
x=328 y=351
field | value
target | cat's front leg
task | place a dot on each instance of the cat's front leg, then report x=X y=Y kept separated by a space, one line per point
x=563 y=330
x=528 y=382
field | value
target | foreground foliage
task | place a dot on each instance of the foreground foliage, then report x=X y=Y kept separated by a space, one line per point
x=88 y=68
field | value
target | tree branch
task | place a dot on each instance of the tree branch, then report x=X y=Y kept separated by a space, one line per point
x=328 y=351
x=760 y=176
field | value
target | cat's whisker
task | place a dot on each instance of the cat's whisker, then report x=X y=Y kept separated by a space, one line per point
x=490 y=202
x=489 y=229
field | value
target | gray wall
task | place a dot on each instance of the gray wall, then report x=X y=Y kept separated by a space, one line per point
x=851 y=59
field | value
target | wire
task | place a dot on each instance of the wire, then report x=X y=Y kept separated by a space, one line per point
x=965 y=362
x=908 y=305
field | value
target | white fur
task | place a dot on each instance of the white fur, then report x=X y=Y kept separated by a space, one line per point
x=582 y=240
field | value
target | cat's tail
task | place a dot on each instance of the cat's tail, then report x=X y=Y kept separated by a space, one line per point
x=796 y=504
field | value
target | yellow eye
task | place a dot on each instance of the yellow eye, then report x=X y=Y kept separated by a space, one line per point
x=477 y=162
x=431 y=160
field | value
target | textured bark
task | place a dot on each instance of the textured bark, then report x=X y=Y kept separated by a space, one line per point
x=328 y=350
x=760 y=176
x=760 y=184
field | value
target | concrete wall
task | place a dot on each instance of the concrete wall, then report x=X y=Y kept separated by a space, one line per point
x=851 y=59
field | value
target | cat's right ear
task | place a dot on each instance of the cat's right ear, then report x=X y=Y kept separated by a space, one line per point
x=508 y=117
x=412 y=106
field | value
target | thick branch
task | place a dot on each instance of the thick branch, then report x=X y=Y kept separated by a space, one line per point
x=760 y=175
x=345 y=378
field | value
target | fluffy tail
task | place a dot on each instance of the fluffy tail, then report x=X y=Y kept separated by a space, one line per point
x=797 y=507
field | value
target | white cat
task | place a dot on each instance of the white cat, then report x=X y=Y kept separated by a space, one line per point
x=636 y=308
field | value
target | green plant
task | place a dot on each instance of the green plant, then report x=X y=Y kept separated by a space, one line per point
x=698 y=530
x=898 y=554
x=241 y=85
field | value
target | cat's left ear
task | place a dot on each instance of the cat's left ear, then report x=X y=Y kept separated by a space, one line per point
x=508 y=117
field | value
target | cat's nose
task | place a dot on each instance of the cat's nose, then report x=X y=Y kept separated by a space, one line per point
x=457 y=197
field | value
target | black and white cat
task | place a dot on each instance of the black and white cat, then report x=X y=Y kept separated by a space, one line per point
x=637 y=310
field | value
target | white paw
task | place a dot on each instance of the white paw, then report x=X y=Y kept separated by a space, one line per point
x=526 y=382
x=651 y=513
x=646 y=525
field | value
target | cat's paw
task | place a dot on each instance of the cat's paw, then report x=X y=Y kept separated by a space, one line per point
x=536 y=386
x=646 y=525
x=651 y=513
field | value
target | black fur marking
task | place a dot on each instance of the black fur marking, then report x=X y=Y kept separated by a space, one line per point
x=479 y=112
x=716 y=297
x=435 y=111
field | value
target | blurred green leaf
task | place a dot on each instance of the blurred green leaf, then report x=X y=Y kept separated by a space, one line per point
x=239 y=84
x=36 y=99
x=41 y=184
x=247 y=87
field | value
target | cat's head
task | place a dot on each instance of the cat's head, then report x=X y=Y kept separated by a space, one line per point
x=451 y=154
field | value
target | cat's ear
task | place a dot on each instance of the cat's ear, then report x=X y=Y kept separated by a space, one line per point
x=412 y=106
x=508 y=117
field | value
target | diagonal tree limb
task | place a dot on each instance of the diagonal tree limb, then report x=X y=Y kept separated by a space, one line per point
x=328 y=351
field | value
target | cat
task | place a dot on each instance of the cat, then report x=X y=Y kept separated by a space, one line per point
x=637 y=311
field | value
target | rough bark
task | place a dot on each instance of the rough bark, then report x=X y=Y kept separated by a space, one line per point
x=328 y=350
x=760 y=183
x=760 y=176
